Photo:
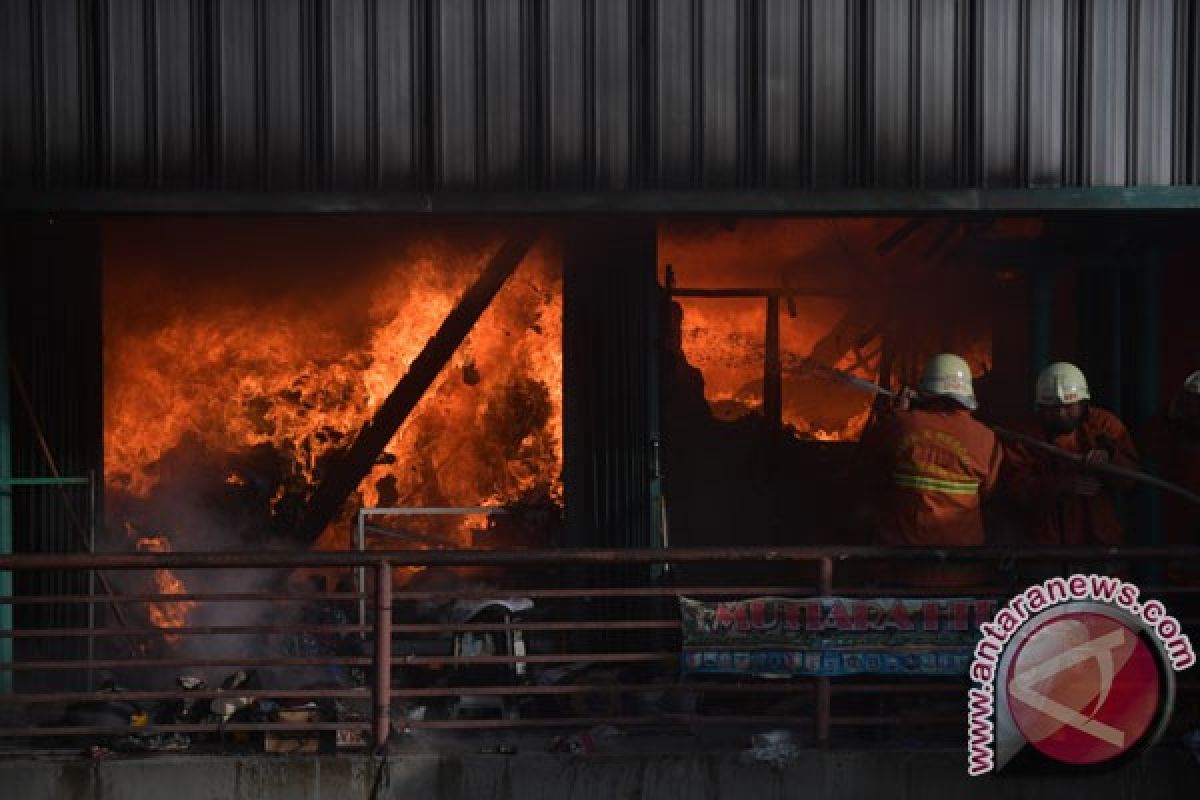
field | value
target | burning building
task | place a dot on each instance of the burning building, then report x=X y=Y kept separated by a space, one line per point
x=623 y=270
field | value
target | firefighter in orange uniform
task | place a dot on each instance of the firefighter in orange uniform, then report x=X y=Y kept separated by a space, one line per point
x=1172 y=441
x=1068 y=504
x=934 y=463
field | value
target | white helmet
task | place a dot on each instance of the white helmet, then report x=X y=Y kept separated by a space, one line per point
x=1190 y=386
x=947 y=375
x=1061 y=384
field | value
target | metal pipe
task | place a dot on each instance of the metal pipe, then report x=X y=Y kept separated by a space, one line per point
x=127 y=696
x=6 y=478
x=1146 y=395
x=823 y=701
x=772 y=371
x=235 y=597
x=465 y=558
x=383 y=655
x=208 y=727
x=162 y=663
x=1042 y=323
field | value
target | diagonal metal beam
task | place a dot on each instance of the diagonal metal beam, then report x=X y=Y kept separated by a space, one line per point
x=345 y=476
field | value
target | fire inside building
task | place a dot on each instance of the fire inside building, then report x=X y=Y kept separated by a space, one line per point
x=428 y=389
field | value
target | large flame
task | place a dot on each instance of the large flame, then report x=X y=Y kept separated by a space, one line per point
x=296 y=372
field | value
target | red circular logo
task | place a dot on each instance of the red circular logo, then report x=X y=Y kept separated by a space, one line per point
x=1083 y=688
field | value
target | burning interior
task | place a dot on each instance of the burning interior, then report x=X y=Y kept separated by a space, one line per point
x=608 y=383
x=243 y=358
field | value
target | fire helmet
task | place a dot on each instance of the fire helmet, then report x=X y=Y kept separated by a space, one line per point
x=1061 y=384
x=947 y=375
x=1182 y=406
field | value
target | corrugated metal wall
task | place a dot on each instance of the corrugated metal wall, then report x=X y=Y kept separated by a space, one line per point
x=52 y=288
x=610 y=384
x=596 y=95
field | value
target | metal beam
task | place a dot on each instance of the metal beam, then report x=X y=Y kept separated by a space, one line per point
x=847 y=201
x=345 y=476
x=6 y=500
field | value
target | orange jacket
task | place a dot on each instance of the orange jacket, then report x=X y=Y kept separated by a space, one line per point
x=1057 y=515
x=931 y=470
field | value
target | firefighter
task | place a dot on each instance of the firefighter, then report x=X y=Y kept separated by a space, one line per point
x=932 y=464
x=1068 y=504
x=1171 y=439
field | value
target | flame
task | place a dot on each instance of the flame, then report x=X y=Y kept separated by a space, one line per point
x=195 y=365
x=165 y=615
x=856 y=296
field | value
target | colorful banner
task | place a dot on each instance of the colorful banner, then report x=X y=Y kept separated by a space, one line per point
x=831 y=636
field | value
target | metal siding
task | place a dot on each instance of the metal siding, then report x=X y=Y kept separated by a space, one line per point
x=720 y=96
x=174 y=39
x=1000 y=92
x=64 y=100
x=1045 y=123
x=127 y=96
x=785 y=94
x=892 y=85
x=1106 y=82
x=17 y=134
x=399 y=66
x=569 y=91
x=935 y=87
x=1154 y=101
x=503 y=86
x=346 y=113
x=455 y=89
x=678 y=49
x=54 y=346
x=240 y=93
x=834 y=89
x=514 y=95
x=286 y=59
x=613 y=94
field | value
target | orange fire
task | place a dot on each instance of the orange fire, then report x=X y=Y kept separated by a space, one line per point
x=165 y=615
x=298 y=369
x=853 y=298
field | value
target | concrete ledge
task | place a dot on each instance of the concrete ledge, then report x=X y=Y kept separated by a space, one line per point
x=814 y=774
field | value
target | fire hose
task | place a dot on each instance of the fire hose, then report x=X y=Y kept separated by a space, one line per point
x=1112 y=470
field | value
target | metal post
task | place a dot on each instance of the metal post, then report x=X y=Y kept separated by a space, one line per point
x=1116 y=340
x=1041 y=335
x=383 y=654
x=6 y=490
x=824 y=710
x=1146 y=389
x=360 y=573
x=93 y=506
x=773 y=370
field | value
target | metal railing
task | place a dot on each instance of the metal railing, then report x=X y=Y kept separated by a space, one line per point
x=576 y=667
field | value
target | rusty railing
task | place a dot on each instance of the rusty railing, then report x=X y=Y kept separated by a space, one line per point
x=600 y=646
